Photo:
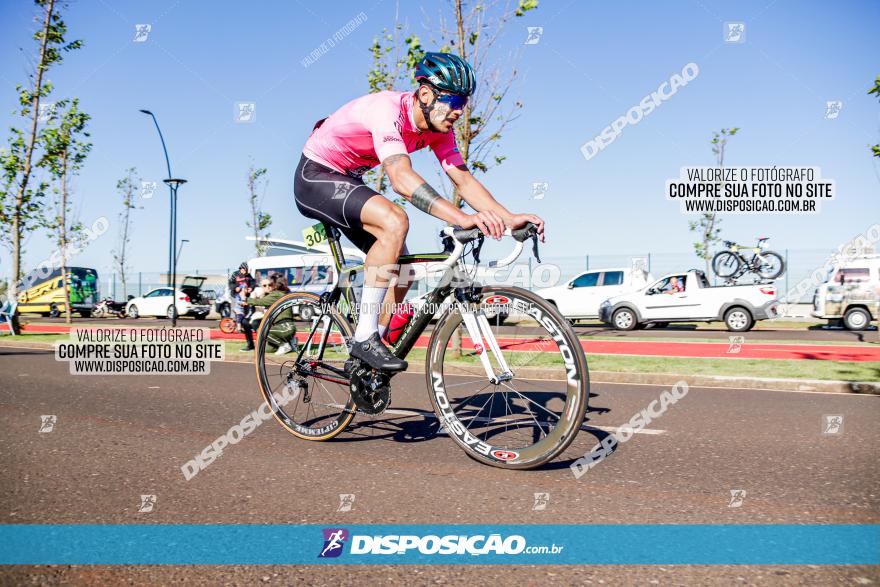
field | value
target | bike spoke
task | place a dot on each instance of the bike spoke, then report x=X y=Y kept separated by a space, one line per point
x=530 y=401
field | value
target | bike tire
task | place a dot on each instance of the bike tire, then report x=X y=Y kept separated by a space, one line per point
x=761 y=268
x=577 y=387
x=342 y=409
x=726 y=264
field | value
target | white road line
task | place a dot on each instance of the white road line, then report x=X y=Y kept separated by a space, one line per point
x=738 y=389
x=615 y=429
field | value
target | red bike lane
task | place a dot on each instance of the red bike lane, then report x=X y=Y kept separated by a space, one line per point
x=644 y=348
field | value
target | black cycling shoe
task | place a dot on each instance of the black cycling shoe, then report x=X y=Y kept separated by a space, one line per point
x=376 y=355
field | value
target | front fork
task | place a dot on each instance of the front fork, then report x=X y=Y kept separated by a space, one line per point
x=481 y=336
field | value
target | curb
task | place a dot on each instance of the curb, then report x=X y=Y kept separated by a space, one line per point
x=714 y=381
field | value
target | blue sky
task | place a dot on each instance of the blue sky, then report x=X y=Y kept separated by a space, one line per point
x=594 y=61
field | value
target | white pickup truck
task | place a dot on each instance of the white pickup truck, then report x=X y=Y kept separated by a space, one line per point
x=688 y=297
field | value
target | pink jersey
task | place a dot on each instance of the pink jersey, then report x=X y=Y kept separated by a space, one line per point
x=367 y=130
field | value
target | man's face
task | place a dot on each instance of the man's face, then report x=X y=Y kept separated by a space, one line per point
x=443 y=116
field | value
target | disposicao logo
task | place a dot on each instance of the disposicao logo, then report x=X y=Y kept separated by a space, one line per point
x=334 y=540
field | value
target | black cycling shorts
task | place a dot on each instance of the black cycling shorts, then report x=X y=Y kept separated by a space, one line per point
x=325 y=194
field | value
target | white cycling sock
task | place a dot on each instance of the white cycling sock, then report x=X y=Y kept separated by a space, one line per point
x=368 y=318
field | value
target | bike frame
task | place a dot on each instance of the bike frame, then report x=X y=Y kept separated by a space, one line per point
x=476 y=322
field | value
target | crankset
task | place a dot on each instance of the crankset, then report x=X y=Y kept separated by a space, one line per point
x=370 y=389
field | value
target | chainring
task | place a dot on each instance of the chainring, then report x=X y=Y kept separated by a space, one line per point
x=370 y=390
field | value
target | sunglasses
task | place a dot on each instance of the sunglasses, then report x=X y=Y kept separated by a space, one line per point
x=454 y=101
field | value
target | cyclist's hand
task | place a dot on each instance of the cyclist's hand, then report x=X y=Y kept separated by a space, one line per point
x=520 y=220
x=489 y=222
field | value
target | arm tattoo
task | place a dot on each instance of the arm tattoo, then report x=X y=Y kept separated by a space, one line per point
x=424 y=197
x=392 y=159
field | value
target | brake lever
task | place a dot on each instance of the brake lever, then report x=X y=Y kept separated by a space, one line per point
x=477 y=247
x=535 y=247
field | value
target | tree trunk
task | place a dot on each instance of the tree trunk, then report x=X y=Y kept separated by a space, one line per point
x=29 y=153
x=464 y=131
x=63 y=237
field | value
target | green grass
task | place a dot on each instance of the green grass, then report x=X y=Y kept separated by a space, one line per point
x=773 y=368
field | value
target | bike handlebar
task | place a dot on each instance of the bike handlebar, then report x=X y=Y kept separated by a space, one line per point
x=462 y=236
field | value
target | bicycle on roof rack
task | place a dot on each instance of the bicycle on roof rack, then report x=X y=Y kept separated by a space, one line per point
x=508 y=401
x=731 y=264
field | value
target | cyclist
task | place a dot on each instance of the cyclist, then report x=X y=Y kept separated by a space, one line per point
x=385 y=127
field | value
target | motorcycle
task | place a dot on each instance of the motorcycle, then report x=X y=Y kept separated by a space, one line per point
x=108 y=307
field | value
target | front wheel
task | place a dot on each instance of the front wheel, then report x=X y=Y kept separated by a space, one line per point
x=133 y=312
x=726 y=264
x=769 y=265
x=624 y=319
x=528 y=411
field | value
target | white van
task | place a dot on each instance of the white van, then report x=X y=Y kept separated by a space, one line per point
x=310 y=269
x=851 y=293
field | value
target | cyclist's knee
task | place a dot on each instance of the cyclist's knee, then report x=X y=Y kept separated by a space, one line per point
x=397 y=224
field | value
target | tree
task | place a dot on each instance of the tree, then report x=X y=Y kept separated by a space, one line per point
x=875 y=149
x=479 y=130
x=127 y=187
x=21 y=199
x=260 y=221
x=392 y=72
x=65 y=150
x=708 y=224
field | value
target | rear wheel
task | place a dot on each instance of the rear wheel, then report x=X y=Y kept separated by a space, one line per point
x=738 y=319
x=301 y=367
x=769 y=265
x=856 y=319
x=227 y=325
x=725 y=264
x=532 y=410
x=171 y=312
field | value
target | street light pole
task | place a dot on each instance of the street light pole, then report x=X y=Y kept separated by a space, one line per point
x=171 y=195
x=174 y=184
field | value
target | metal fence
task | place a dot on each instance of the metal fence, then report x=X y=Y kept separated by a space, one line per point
x=800 y=264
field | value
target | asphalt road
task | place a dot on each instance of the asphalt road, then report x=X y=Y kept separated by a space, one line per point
x=818 y=333
x=117 y=438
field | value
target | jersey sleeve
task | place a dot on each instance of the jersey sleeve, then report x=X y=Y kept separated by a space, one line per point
x=446 y=150
x=386 y=137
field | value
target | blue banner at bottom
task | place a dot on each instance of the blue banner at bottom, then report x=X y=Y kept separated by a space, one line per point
x=178 y=544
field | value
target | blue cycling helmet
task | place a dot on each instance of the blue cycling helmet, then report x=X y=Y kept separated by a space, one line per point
x=447 y=72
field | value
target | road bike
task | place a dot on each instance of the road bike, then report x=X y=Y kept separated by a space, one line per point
x=731 y=264
x=510 y=397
